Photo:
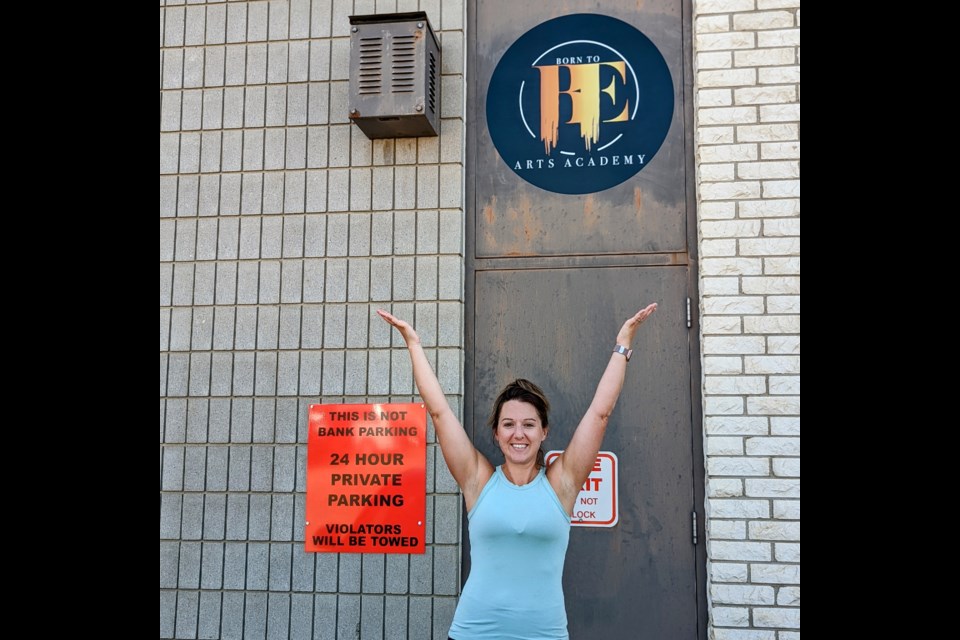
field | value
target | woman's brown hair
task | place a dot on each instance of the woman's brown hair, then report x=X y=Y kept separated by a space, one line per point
x=524 y=391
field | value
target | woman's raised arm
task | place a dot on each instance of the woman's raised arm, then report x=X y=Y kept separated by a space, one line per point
x=568 y=473
x=469 y=467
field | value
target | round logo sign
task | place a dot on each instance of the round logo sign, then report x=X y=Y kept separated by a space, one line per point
x=579 y=104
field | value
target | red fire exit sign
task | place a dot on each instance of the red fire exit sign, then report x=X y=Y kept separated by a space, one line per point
x=596 y=505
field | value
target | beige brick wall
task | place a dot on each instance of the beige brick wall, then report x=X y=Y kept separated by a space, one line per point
x=282 y=229
x=747 y=89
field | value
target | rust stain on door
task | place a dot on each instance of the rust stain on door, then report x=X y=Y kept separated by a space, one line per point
x=529 y=227
x=590 y=216
x=638 y=201
x=490 y=217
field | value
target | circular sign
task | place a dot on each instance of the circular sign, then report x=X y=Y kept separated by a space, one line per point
x=579 y=104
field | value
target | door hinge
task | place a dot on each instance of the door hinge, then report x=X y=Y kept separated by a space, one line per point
x=694 y=527
x=689 y=318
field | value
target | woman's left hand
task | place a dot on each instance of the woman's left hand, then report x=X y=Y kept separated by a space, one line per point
x=625 y=336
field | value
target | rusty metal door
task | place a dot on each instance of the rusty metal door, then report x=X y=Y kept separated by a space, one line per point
x=556 y=260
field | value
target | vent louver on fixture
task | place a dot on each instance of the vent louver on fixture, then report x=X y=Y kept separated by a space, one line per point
x=432 y=84
x=371 y=66
x=394 y=75
x=403 y=64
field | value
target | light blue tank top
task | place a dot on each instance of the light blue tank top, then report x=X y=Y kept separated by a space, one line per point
x=518 y=540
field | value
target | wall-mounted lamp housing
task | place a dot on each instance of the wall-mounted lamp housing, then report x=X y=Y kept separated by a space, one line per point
x=394 y=75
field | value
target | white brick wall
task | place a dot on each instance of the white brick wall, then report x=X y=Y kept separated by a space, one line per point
x=747 y=86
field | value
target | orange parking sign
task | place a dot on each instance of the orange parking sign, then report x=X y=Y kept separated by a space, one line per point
x=366 y=478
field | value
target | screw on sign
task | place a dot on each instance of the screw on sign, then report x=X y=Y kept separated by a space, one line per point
x=597 y=503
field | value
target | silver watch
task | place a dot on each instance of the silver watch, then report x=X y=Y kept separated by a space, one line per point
x=622 y=350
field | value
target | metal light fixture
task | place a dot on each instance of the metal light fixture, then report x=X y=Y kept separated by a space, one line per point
x=394 y=75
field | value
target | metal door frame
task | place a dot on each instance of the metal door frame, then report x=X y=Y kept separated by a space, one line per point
x=690 y=258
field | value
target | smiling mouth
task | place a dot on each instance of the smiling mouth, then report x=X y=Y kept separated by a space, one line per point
x=519 y=446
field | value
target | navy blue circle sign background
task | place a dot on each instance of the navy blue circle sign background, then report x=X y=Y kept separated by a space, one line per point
x=579 y=104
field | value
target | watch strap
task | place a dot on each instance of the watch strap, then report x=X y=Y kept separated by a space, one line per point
x=622 y=350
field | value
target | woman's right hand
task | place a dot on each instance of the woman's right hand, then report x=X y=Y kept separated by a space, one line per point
x=409 y=335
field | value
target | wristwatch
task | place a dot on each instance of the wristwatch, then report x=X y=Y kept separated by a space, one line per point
x=622 y=350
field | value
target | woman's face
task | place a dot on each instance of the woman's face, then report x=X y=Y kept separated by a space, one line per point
x=519 y=432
